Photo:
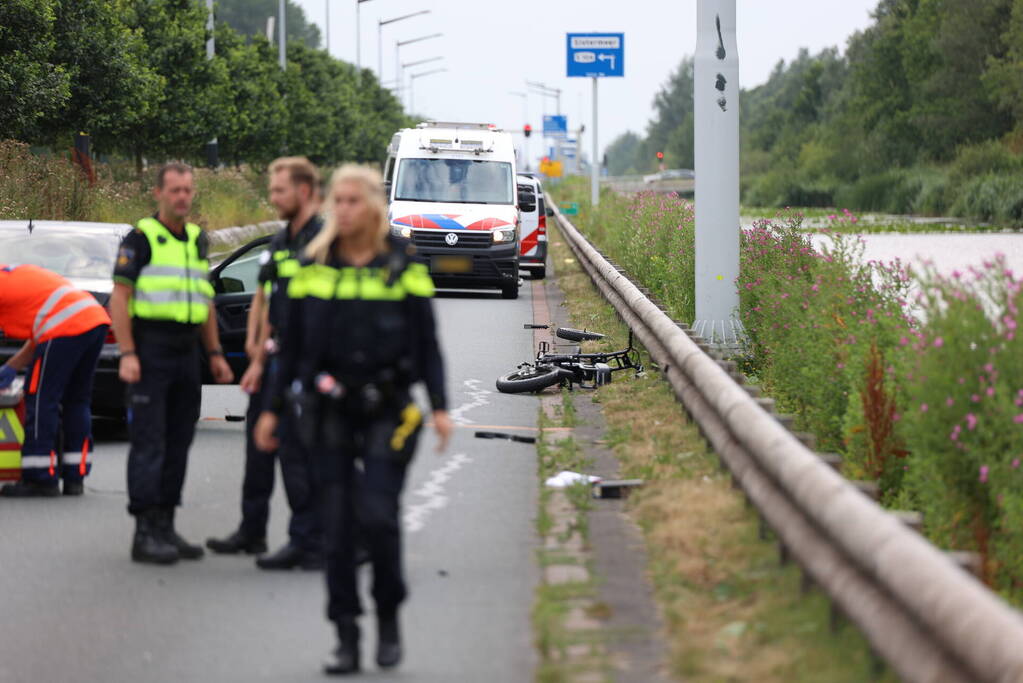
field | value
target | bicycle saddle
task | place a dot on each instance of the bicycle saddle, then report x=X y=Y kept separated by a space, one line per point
x=577 y=335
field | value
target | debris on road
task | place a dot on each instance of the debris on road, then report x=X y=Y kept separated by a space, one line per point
x=565 y=478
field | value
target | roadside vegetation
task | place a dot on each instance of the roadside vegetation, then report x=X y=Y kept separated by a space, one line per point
x=134 y=75
x=731 y=610
x=915 y=378
x=48 y=187
x=920 y=113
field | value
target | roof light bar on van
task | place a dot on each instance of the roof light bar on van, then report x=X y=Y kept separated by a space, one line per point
x=456 y=124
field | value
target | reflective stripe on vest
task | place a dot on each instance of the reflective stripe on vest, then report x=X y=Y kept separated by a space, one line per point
x=49 y=317
x=174 y=285
x=369 y=284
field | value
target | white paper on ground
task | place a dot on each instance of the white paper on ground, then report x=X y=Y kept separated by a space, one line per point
x=565 y=478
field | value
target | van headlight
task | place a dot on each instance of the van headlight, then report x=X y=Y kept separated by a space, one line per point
x=401 y=231
x=504 y=235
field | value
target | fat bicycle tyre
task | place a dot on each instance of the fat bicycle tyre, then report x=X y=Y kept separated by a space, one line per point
x=529 y=379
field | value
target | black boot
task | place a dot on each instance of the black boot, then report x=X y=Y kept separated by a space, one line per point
x=30 y=489
x=388 y=639
x=186 y=550
x=291 y=556
x=149 y=545
x=345 y=658
x=238 y=542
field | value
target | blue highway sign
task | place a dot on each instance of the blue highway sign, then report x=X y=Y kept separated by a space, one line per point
x=555 y=126
x=596 y=54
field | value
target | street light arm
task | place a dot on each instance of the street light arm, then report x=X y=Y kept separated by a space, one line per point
x=400 y=43
x=406 y=65
x=385 y=22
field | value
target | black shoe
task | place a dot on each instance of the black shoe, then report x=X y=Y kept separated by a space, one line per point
x=388 y=640
x=149 y=545
x=186 y=550
x=345 y=657
x=289 y=557
x=236 y=543
x=73 y=488
x=30 y=489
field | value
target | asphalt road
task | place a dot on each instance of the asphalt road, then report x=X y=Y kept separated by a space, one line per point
x=75 y=608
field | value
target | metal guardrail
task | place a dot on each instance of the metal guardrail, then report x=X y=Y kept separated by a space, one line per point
x=630 y=184
x=929 y=619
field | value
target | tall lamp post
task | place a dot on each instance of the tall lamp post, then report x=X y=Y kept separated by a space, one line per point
x=380 y=38
x=281 y=40
x=212 y=155
x=399 y=76
x=358 y=35
x=412 y=83
x=547 y=91
x=419 y=62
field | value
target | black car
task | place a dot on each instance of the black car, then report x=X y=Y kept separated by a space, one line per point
x=84 y=253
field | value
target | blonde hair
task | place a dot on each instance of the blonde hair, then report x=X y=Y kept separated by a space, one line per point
x=300 y=170
x=372 y=185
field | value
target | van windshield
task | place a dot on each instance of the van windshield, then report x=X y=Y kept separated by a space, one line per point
x=462 y=181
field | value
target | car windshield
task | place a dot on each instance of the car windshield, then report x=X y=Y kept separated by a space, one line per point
x=65 y=252
x=463 y=181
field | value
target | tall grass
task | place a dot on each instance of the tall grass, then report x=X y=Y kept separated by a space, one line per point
x=48 y=187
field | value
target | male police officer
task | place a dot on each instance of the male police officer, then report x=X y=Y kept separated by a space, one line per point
x=161 y=307
x=294 y=192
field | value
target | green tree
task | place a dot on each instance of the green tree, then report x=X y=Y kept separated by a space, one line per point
x=108 y=95
x=193 y=102
x=621 y=154
x=255 y=127
x=671 y=129
x=32 y=86
x=1004 y=75
x=248 y=17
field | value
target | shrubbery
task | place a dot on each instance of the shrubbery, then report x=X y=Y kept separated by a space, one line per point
x=916 y=379
x=50 y=187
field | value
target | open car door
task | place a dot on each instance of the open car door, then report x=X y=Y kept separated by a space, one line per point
x=235 y=280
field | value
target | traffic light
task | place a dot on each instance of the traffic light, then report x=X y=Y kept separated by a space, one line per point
x=527 y=130
x=660 y=156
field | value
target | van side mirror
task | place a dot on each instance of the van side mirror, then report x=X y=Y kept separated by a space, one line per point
x=387 y=189
x=550 y=212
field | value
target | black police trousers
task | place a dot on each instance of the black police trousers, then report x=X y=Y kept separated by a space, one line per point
x=163 y=407
x=305 y=529
x=363 y=480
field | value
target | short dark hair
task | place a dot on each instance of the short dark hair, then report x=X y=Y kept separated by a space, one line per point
x=300 y=170
x=176 y=167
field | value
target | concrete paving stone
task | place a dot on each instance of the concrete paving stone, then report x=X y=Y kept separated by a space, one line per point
x=578 y=620
x=557 y=574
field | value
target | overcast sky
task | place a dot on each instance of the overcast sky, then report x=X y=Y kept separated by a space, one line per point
x=490 y=48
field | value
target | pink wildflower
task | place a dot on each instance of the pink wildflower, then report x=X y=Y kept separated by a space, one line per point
x=923 y=407
x=1015 y=464
x=938 y=342
x=983 y=474
x=971 y=421
x=950 y=401
x=1018 y=419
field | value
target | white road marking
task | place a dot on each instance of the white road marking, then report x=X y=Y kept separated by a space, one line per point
x=478 y=399
x=433 y=490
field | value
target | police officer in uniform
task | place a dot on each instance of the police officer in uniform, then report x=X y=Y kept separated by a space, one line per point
x=360 y=332
x=294 y=192
x=161 y=309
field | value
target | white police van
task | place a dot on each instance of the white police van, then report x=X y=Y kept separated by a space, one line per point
x=452 y=192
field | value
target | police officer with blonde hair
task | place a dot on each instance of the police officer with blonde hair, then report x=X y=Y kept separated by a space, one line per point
x=162 y=310
x=359 y=333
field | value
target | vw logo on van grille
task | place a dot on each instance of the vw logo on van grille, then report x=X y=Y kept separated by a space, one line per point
x=451 y=238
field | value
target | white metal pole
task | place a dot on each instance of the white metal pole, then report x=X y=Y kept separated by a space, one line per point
x=358 y=36
x=281 y=40
x=595 y=162
x=326 y=9
x=716 y=100
x=380 y=51
x=397 y=74
x=211 y=50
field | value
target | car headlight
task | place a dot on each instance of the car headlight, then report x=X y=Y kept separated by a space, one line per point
x=401 y=231
x=504 y=235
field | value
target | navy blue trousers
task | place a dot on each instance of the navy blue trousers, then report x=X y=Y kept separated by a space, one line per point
x=305 y=528
x=60 y=392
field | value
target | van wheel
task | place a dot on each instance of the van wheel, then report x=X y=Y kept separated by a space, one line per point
x=510 y=291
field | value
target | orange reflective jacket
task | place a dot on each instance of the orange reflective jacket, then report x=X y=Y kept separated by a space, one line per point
x=38 y=304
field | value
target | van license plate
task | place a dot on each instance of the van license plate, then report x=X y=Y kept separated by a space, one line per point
x=451 y=264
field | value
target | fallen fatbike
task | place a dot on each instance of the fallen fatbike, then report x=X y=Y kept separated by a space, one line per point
x=585 y=370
